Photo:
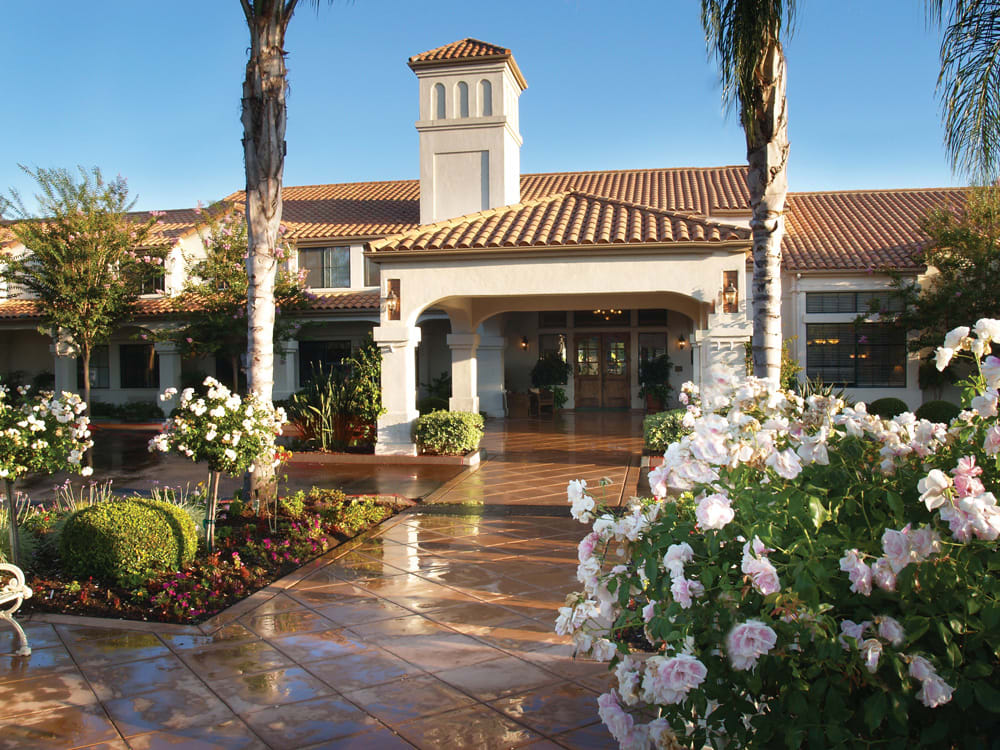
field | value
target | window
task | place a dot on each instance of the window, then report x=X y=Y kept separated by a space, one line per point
x=373 y=275
x=317 y=355
x=100 y=369
x=439 y=112
x=155 y=282
x=552 y=319
x=463 y=99
x=326 y=267
x=653 y=318
x=552 y=343
x=651 y=346
x=867 y=355
x=852 y=302
x=486 y=98
x=588 y=355
x=139 y=366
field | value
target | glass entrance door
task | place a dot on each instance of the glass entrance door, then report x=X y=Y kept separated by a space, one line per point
x=602 y=371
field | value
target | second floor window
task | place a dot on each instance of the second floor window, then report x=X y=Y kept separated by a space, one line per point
x=327 y=267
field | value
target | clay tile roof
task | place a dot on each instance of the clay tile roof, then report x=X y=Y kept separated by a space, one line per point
x=565 y=219
x=860 y=230
x=344 y=301
x=467 y=49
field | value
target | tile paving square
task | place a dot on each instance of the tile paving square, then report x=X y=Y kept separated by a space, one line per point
x=434 y=631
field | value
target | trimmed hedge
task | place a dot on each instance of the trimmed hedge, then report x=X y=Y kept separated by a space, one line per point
x=126 y=540
x=938 y=411
x=661 y=429
x=888 y=407
x=449 y=432
x=432 y=403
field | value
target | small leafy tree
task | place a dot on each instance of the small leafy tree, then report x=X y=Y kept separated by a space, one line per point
x=213 y=301
x=964 y=283
x=86 y=258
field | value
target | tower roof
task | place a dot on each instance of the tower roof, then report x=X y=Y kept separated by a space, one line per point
x=467 y=50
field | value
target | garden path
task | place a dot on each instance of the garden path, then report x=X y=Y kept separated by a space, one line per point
x=433 y=630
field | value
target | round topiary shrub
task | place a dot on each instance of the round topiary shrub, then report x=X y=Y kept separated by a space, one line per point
x=449 y=432
x=126 y=540
x=888 y=407
x=938 y=411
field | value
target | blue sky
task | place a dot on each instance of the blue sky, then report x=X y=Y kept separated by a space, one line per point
x=155 y=96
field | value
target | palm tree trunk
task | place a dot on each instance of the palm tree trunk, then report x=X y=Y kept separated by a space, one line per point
x=767 y=180
x=264 y=116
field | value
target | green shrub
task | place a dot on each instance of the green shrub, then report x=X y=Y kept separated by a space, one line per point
x=938 y=411
x=127 y=540
x=292 y=505
x=131 y=411
x=888 y=407
x=432 y=403
x=660 y=430
x=449 y=432
x=549 y=370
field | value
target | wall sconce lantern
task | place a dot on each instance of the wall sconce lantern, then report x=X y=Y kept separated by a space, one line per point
x=682 y=342
x=730 y=292
x=524 y=343
x=392 y=299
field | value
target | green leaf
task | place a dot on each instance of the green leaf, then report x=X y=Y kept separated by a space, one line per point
x=874 y=711
x=896 y=504
x=988 y=697
x=818 y=512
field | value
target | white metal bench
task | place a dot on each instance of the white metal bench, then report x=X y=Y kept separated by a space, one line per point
x=13 y=591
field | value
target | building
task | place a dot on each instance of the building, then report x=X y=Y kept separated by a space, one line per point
x=475 y=269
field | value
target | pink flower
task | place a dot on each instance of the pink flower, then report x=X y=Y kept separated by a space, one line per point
x=896 y=545
x=714 y=512
x=851 y=629
x=934 y=692
x=683 y=589
x=668 y=680
x=761 y=571
x=871 y=652
x=677 y=555
x=883 y=575
x=587 y=545
x=992 y=443
x=649 y=611
x=620 y=724
x=934 y=488
x=747 y=642
x=890 y=630
x=859 y=573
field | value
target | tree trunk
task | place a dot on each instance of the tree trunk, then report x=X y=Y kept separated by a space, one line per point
x=212 y=509
x=85 y=355
x=767 y=181
x=264 y=117
x=15 y=542
x=234 y=362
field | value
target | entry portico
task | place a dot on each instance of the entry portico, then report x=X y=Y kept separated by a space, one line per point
x=570 y=251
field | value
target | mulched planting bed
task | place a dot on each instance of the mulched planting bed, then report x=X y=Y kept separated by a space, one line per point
x=251 y=552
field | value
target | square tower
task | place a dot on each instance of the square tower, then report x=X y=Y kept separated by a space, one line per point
x=470 y=141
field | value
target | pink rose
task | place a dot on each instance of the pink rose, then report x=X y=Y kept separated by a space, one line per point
x=747 y=642
x=714 y=512
x=883 y=574
x=684 y=589
x=859 y=573
x=668 y=680
x=934 y=692
x=896 y=545
x=890 y=630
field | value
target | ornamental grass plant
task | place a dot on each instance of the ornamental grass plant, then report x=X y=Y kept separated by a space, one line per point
x=807 y=574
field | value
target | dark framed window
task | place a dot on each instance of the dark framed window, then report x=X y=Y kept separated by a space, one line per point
x=139 y=366
x=326 y=355
x=651 y=346
x=652 y=318
x=552 y=319
x=853 y=302
x=373 y=274
x=100 y=368
x=552 y=343
x=155 y=282
x=326 y=267
x=867 y=355
x=603 y=317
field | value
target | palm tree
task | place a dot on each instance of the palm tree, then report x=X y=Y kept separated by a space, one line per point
x=969 y=84
x=264 y=116
x=745 y=38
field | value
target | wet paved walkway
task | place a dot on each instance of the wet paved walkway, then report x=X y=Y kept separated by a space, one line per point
x=432 y=631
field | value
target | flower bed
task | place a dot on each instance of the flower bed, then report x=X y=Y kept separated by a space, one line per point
x=251 y=552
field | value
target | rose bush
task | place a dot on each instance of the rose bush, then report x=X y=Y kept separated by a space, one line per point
x=40 y=434
x=807 y=574
x=229 y=433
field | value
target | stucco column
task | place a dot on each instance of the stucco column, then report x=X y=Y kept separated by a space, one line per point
x=64 y=367
x=490 y=364
x=170 y=364
x=464 y=380
x=397 y=342
x=286 y=367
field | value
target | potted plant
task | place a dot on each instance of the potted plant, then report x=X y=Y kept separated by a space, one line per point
x=654 y=382
x=550 y=373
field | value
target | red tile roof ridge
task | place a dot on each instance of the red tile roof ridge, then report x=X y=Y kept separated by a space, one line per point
x=870 y=191
x=480 y=49
x=635 y=170
x=696 y=218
